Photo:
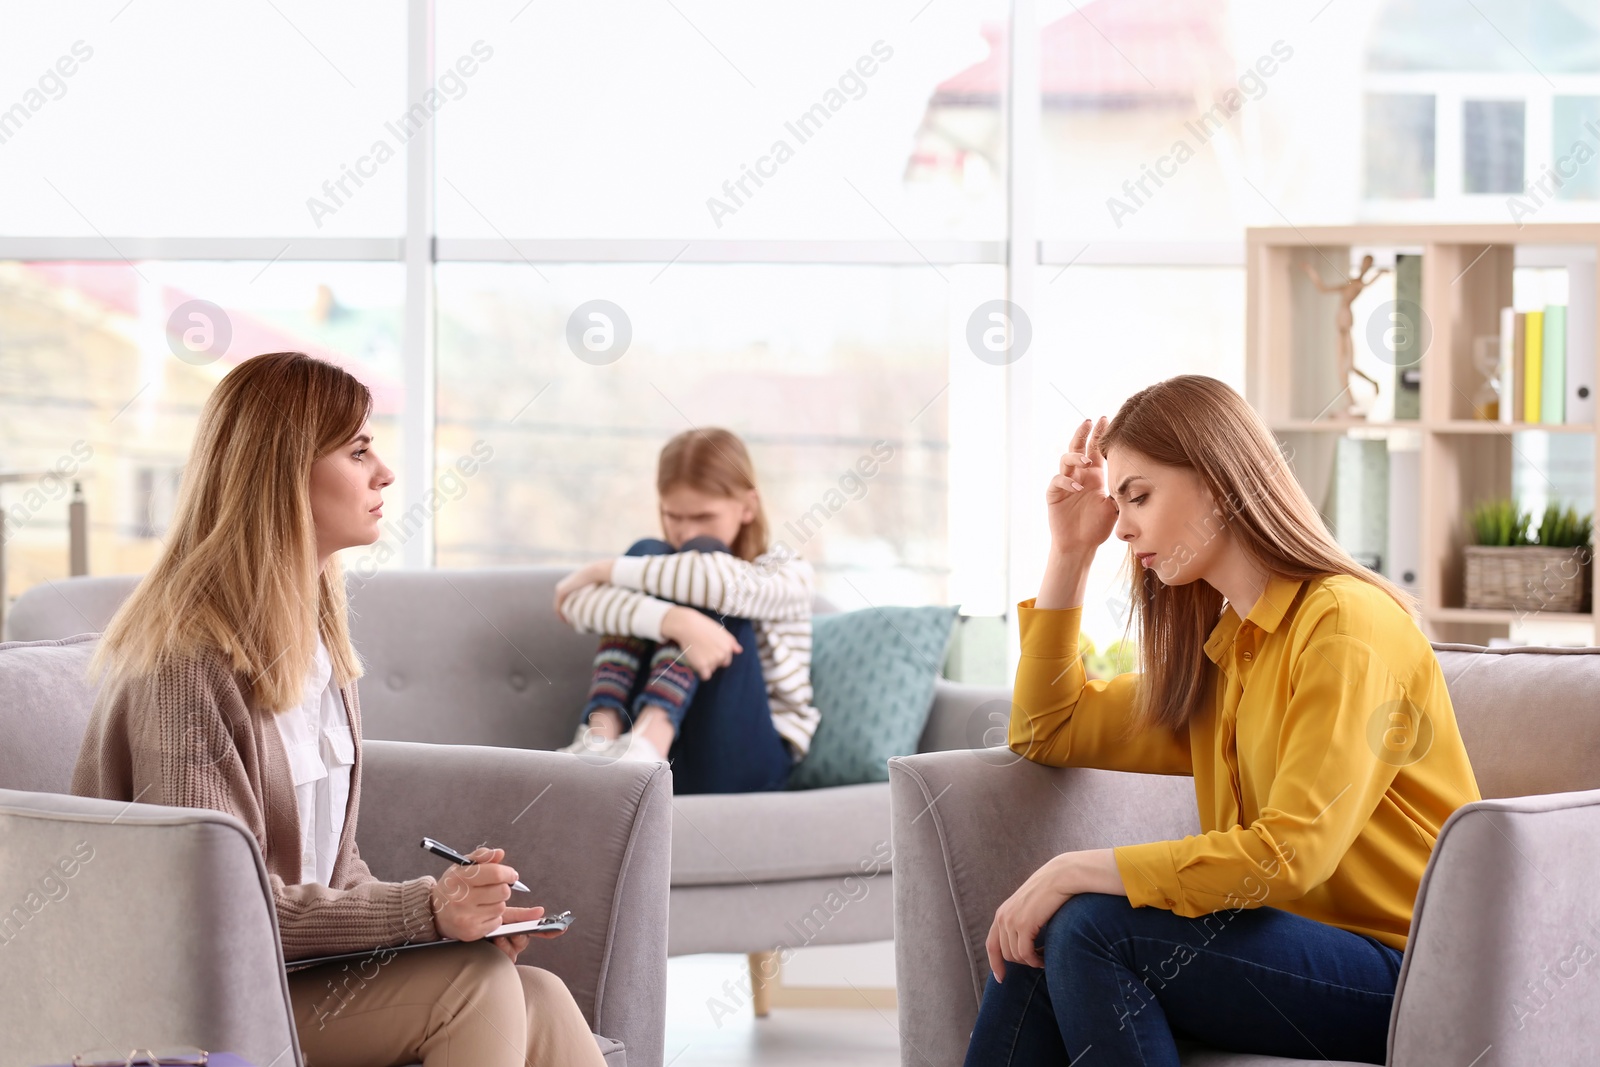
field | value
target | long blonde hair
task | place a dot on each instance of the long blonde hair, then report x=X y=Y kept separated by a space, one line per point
x=1201 y=424
x=239 y=571
x=715 y=462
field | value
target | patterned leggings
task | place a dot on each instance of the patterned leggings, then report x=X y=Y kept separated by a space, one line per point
x=619 y=665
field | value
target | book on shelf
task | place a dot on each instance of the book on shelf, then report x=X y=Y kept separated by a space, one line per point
x=1519 y=367
x=1407 y=365
x=1532 y=363
x=1580 y=342
x=1553 y=366
x=1508 y=365
x=1547 y=363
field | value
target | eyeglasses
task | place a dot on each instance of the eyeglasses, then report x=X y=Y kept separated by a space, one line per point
x=177 y=1056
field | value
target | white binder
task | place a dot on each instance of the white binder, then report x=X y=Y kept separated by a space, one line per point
x=1580 y=342
x=1404 y=565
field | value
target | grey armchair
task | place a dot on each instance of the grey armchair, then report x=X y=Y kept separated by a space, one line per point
x=1504 y=952
x=132 y=924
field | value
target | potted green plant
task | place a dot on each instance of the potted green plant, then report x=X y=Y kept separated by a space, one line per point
x=1514 y=566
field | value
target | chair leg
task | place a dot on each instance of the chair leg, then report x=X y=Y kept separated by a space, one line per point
x=763 y=976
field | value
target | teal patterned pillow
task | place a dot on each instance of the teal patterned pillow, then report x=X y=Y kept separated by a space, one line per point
x=872 y=675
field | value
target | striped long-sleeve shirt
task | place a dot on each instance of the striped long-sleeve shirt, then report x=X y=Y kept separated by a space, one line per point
x=774 y=592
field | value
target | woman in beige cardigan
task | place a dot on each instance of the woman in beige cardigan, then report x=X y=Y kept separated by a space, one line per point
x=231 y=684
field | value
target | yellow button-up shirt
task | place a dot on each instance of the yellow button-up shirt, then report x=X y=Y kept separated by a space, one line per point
x=1325 y=758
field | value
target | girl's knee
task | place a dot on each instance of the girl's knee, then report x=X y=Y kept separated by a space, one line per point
x=649 y=546
x=704 y=543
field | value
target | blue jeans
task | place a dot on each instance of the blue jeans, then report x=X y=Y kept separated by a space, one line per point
x=726 y=742
x=1128 y=981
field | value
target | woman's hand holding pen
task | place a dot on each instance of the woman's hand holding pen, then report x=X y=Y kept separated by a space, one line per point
x=468 y=902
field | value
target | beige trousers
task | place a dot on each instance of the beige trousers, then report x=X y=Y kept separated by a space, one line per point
x=462 y=1005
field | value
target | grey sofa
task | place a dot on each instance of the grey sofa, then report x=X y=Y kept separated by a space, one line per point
x=1493 y=972
x=137 y=925
x=478 y=657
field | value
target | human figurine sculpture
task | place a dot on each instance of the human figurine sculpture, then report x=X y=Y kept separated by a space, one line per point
x=1348 y=290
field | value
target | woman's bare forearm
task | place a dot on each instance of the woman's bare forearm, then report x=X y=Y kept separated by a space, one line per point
x=1066 y=579
x=1088 y=871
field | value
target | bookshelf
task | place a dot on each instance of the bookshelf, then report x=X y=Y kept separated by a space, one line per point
x=1292 y=375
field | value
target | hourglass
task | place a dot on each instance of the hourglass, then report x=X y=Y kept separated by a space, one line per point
x=1486 y=398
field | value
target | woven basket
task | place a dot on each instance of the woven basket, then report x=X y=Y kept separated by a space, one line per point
x=1528 y=578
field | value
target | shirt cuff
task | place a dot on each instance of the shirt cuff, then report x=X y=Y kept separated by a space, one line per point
x=1149 y=875
x=628 y=572
x=648 y=617
x=1048 y=633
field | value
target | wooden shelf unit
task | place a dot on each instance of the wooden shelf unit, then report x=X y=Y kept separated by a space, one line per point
x=1466 y=280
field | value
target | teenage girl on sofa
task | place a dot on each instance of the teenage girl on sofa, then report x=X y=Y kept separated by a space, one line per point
x=706 y=653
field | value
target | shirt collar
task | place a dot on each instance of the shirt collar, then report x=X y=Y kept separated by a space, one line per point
x=1267 y=614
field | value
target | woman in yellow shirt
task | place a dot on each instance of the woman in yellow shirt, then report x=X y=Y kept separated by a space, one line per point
x=1297 y=689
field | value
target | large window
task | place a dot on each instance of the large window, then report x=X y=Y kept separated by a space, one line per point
x=181 y=118
x=824 y=371
x=949 y=227
x=696 y=121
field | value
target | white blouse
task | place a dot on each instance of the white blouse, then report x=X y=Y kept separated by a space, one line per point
x=316 y=736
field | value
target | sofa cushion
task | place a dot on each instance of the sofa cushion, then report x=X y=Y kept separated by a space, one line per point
x=743 y=838
x=45 y=701
x=1528 y=716
x=872 y=673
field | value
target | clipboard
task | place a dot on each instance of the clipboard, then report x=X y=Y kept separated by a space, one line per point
x=532 y=926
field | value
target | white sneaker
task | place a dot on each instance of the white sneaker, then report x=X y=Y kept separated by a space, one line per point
x=588 y=742
x=634 y=746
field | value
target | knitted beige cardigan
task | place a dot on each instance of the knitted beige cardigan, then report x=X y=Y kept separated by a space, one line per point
x=190 y=736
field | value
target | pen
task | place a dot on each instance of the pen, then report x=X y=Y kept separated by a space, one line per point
x=455 y=857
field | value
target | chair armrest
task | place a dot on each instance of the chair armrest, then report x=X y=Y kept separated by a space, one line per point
x=968 y=827
x=965 y=716
x=135 y=924
x=1505 y=937
x=588 y=836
